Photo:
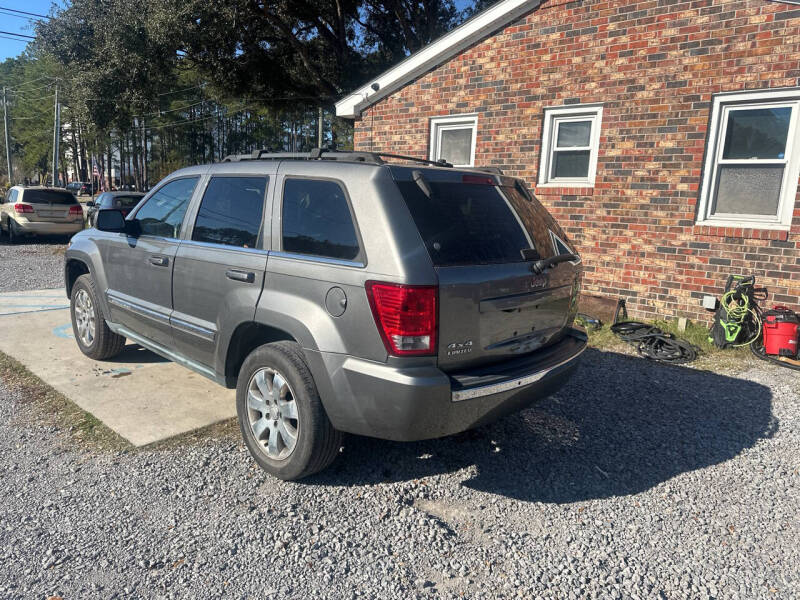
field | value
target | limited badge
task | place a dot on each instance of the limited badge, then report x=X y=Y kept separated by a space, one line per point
x=459 y=348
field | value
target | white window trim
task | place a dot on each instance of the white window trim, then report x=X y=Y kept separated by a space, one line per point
x=469 y=121
x=716 y=132
x=552 y=117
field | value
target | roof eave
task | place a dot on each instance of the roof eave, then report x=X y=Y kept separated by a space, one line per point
x=434 y=54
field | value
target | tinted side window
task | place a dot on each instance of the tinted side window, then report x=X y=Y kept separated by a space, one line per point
x=231 y=211
x=163 y=212
x=317 y=220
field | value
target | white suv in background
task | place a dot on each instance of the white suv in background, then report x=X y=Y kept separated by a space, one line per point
x=39 y=211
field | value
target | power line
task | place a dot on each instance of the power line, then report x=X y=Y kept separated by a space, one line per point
x=161 y=112
x=8 y=37
x=10 y=14
x=194 y=87
x=23 y=12
x=22 y=35
x=24 y=83
x=36 y=89
x=31 y=99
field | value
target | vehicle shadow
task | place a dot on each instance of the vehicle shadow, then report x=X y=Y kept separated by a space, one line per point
x=36 y=240
x=136 y=354
x=620 y=426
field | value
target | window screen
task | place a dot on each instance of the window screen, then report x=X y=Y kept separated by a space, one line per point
x=317 y=220
x=231 y=212
x=162 y=214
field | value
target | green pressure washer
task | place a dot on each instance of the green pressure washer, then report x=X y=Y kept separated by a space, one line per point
x=737 y=321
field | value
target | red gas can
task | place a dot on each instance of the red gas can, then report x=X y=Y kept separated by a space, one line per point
x=781 y=332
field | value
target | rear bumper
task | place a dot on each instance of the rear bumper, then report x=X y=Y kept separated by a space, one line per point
x=378 y=400
x=47 y=228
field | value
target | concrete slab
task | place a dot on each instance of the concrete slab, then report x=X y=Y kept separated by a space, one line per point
x=14 y=303
x=141 y=396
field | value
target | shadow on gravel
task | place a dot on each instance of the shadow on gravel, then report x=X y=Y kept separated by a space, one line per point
x=621 y=426
x=36 y=240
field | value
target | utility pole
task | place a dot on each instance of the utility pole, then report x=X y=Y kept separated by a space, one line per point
x=319 y=128
x=56 y=138
x=8 y=137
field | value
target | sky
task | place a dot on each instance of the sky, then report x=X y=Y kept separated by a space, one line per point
x=18 y=24
x=21 y=24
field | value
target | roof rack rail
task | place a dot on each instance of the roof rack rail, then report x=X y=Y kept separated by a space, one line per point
x=328 y=154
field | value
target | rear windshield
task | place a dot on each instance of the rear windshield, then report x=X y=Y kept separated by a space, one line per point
x=468 y=224
x=48 y=197
x=123 y=201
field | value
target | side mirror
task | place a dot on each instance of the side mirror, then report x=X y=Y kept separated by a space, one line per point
x=90 y=204
x=110 y=220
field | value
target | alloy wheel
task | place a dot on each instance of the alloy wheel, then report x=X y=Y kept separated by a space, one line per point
x=272 y=412
x=85 y=318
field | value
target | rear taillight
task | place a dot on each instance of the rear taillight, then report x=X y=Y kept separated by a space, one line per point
x=405 y=315
x=75 y=209
x=23 y=208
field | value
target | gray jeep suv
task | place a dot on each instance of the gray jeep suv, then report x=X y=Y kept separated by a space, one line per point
x=337 y=292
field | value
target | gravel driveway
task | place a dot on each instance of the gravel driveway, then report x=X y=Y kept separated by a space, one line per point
x=635 y=481
x=35 y=264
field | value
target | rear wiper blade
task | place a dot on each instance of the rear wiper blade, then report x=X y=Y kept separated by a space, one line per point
x=540 y=266
x=422 y=184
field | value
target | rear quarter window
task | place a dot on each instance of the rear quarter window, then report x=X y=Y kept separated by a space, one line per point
x=316 y=220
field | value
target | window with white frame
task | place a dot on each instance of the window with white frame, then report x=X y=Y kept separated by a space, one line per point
x=570 y=142
x=453 y=139
x=752 y=160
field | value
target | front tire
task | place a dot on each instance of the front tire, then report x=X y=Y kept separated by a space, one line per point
x=283 y=422
x=94 y=337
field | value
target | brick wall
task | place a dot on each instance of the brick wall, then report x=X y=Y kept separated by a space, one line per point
x=655 y=65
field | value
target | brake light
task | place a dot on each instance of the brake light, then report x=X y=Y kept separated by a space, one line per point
x=478 y=179
x=23 y=208
x=405 y=315
x=75 y=209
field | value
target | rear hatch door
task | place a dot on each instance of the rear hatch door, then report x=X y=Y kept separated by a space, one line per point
x=492 y=306
x=50 y=205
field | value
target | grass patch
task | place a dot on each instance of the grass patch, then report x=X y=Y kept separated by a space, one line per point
x=57 y=410
x=228 y=430
x=711 y=357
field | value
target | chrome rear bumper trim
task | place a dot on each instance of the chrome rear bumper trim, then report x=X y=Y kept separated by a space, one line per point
x=505 y=386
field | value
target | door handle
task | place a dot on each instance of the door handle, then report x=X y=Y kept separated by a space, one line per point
x=159 y=261
x=245 y=276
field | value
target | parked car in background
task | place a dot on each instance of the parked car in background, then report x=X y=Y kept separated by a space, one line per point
x=123 y=201
x=79 y=188
x=39 y=211
x=337 y=293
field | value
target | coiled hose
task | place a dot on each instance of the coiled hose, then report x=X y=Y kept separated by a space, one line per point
x=650 y=342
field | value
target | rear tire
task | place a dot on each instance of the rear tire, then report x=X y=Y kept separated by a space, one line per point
x=94 y=337
x=13 y=234
x=288 y=432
